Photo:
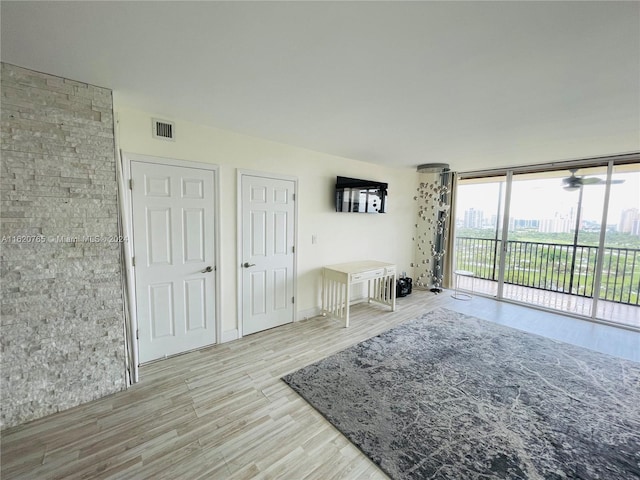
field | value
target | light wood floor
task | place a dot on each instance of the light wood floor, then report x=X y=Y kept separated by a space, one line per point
x=219 y=413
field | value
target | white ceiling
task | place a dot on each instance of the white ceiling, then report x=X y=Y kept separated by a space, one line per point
x=473 y=84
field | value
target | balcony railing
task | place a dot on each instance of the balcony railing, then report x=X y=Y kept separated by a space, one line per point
x=555 y=267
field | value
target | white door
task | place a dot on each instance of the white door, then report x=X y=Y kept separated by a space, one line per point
x=173 y=229
x=268 y=233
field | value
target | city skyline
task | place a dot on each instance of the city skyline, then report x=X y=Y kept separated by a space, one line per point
x=544 y=199
x=559 y=222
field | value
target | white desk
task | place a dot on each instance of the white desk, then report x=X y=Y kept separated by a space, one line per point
x=337 y=281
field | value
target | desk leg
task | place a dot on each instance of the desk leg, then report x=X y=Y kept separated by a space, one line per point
x=346 y=307
x=393 y=294
x=324 y=292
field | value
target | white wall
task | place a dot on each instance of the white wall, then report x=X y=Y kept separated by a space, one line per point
x=341 y=237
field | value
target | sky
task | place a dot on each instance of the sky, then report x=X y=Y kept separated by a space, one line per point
x=539 y=199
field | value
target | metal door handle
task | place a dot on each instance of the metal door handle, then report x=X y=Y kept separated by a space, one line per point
x=209 y=269
x=247 y=265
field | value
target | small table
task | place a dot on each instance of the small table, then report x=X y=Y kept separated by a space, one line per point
x=337 y=281
x=457 y=294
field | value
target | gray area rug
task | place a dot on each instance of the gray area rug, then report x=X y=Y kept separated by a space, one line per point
x=448 y=396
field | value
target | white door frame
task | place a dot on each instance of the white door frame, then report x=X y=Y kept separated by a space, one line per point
x=128 y=223
x=239 y=174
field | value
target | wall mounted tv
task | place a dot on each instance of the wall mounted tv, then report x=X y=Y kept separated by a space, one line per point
x=360 y=196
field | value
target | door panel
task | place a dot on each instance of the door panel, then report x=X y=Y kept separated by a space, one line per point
x=258 y=238
x=280 y=232
x=158 y=186
x=193 y=232
x=192 y=188
x=161 y=310
x=173 y=223
x=195 y=295
x=268 y=233
x=257 y=293
x=279 y=292
x=159 y=237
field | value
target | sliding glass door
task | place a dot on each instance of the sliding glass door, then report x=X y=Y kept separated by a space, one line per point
x=478 y=225
x=618 y=297
x=563 y=239
x=553 y=236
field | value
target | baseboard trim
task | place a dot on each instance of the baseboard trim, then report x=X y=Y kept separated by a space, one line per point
x=308 y=313
x=229 y=336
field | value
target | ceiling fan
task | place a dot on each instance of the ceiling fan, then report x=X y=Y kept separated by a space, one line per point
x=574 y=182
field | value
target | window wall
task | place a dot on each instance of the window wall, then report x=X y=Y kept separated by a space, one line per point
x=565 y=238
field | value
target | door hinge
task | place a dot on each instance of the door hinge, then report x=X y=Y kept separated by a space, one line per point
x=131 y=184
x=133 y=261
x=294 y=197
x=137 y=334
x=293 y=249
x=293 y=299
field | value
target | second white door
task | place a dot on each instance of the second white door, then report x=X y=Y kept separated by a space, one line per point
x=267 y=236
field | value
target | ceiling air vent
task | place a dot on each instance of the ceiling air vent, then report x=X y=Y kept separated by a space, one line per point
x=163 y=129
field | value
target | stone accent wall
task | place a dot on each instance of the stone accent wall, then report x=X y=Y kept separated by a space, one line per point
x=62 y=338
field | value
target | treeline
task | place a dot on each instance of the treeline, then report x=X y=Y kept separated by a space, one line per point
x=613 y=239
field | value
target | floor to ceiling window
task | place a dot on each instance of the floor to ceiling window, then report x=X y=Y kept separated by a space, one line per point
x=553 y=238
x=478 y=226
x=561 y=237
x=620 y=279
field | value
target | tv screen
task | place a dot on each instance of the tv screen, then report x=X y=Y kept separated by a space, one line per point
x=360 y=196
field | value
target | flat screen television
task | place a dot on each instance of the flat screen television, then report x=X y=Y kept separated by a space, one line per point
x=360 y=196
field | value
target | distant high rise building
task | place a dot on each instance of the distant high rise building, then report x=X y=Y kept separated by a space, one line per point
x=524 y=223
x=627 y=219
x=572 y=218
x=473 y=218
x=558 y=224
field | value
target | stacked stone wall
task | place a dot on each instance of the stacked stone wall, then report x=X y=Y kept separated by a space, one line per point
x=62 y=341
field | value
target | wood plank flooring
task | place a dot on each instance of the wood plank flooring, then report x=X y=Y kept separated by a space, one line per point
x=218 y=413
